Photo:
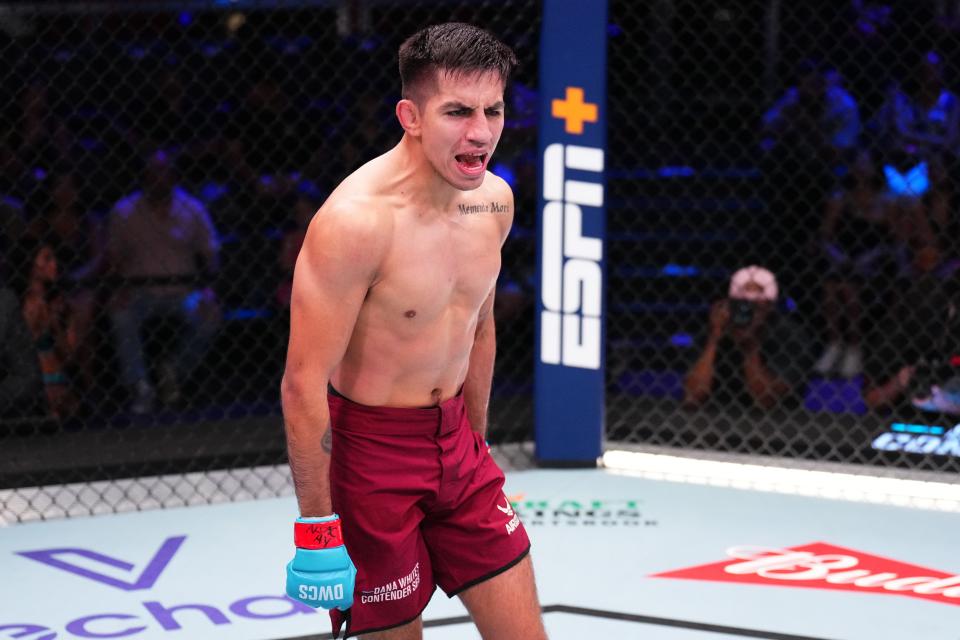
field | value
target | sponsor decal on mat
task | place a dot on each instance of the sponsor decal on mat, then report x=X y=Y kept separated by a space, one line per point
x=130 y=619
x=819 y=565
x=580 y=512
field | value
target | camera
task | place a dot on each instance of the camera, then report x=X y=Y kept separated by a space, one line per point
x=741 y=312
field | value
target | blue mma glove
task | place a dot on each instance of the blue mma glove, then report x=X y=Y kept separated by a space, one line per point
x=321 y=573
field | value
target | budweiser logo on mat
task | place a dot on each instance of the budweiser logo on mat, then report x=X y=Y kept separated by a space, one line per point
x=824 y=566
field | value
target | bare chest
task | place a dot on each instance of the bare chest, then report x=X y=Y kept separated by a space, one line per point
x=437 y=269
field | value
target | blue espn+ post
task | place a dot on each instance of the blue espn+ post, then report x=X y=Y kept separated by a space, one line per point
x=571 y=223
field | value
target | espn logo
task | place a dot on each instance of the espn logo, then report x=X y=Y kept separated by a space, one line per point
x=571 y=276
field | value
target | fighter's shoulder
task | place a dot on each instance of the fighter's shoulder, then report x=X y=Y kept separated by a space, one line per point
x=352 y=215
x=497 y=187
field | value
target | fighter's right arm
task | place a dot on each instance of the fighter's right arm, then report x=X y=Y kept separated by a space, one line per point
x=337 y=265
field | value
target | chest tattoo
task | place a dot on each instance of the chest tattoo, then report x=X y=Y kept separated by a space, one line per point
x=487 y=207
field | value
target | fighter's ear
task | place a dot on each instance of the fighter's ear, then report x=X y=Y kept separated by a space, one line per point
x=408 y=113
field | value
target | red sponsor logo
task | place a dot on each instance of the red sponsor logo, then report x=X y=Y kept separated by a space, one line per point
x=824 y=566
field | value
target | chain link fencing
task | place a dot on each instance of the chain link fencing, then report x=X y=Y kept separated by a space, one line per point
x=817 y=141
x=151 y=378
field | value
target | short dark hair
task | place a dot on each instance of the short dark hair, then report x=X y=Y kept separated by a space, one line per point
x=456 y=47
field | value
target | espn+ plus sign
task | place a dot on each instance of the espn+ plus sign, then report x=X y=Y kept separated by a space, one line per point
x=574 y=111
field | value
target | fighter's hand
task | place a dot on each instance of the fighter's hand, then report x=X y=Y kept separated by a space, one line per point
x=321 y=573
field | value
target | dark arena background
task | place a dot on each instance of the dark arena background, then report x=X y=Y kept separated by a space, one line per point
x=768 y=264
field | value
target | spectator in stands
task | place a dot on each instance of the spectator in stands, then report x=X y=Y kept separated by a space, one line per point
x=942 y=397
x=21 y=385
x=807 y=134
x=906 y=354
x=920 y=119
x=161 y=242
x=56 y=212
x=58 y=217
x=52 y=326
x=922 y=219
x=912 y=357
x=857 y=244
x=816 y=121
x=308 y=200
x=753 y=353
x=919 y=127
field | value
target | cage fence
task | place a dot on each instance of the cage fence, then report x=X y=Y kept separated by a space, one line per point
x=815 y=142
x=143 y=358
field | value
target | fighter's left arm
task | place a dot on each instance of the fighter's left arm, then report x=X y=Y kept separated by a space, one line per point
x=476 y=387
x=479 y=380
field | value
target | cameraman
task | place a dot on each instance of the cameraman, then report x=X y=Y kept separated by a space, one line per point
x=753 y=354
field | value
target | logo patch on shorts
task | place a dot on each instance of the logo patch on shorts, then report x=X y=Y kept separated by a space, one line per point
x=508 y=511
x=394 y=590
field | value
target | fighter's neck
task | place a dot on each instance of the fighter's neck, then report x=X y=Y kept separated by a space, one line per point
x=419 y=181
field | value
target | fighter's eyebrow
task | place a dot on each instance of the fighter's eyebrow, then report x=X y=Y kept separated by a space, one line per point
x=454 y=105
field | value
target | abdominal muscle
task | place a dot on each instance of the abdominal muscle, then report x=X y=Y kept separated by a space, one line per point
x=413 y=364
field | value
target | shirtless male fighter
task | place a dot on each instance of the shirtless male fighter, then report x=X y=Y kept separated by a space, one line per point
x=390 y=362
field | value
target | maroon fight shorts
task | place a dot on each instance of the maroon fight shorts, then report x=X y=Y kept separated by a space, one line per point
x=421 y=504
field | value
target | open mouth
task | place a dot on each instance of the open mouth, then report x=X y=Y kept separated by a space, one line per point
x=471 y=163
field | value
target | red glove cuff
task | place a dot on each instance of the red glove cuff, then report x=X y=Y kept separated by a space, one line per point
x=317 y=535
